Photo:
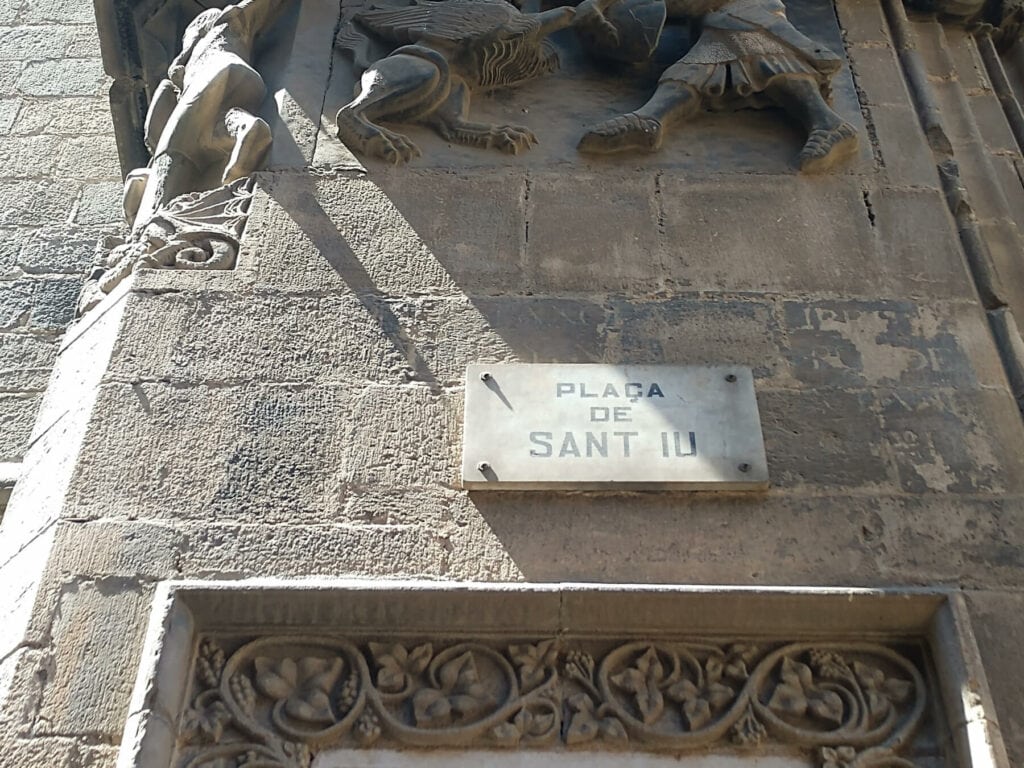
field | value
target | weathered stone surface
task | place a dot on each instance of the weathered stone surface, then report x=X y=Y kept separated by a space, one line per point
x=17 y=414
x=131 y=549
x=268 y=452
x=771 y=235
x=25 y=361
x=38 y=304
x=877 y=73
x=62 y=77
x=69 y=116
x=56 y=250
x=96 y=634
x=901 y=143
x=996 y=618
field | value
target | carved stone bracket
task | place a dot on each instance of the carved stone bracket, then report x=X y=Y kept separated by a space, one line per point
x=274 y=702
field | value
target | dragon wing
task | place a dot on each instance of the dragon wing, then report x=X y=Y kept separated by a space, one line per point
x=445 y=22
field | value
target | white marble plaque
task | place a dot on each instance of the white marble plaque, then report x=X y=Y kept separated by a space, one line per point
x=600 y=427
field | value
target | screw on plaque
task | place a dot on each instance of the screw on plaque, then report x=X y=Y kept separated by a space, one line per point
x=731 y=378
x=483 y=466
x=744 y=467
x=485 y=376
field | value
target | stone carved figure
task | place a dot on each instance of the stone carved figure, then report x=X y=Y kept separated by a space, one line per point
x=748 y=55
x=441 y=50
x=206 y=140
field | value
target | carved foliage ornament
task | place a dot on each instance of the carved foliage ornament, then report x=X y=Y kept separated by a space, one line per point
x=276 y=701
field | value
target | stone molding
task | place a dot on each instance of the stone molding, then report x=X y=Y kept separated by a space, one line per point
x=246 y=675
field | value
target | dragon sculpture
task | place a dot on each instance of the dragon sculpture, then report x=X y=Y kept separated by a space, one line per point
x=438 y=51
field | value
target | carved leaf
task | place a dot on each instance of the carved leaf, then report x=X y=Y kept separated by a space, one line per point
x=827 y=706
x=533 y=662
x=719 y=695
x=684 y=690
x=583 y=726
x=506 y=734
x=713 y=669
x=431 y=708
x=612 y=730
x=697 y=712
x=838 y=757
x=642 y=681
x=275 y=678
x=396 y=666
x=796 y=674
x=206 y=724
x=788 y=700
x=898 y=690
x=459 y=673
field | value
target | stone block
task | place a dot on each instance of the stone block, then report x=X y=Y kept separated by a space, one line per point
x=997 y=618
x=953 y=441
x=72 y=116
x=101 y=204
x=221 y=339
x=529 y=329
x=878 y=74
x=920 y=246
x=25 y=361
x=37 y=42
x=9 y=10
x=273 y=453
x=949 y=539
x=240 y=551
x=907 y=158
x=1004 y=244
x=862 y=21
x=1008 y=172
x=8 y=113
x=60 y=11
x=63 y=77
x=36 y=203
x=132 y=549
x=992 y=123
x=97 y=634
x=17 y=414
x=91 y=157
x=339 y=234
x=15 y=303
x=402 y=436
x=824 y=439
x=57 y=250
x=931 y=42
x=30 y=156
x=890 y=343
x=11 y=242
x=479 y=246
x=697 y=331
x=620 y=252
x=53 y=302
x=963 y=52
x=984 y=192
x=769 y=234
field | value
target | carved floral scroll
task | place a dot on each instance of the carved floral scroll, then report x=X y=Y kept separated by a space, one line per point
x=274 y=702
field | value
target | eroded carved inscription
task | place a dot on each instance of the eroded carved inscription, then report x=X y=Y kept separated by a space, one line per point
x=277 y=701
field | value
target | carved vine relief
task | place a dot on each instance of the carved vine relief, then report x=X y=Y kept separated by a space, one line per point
x=274 y=702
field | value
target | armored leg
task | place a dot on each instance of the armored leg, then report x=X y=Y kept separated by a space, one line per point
x=450 y=121
x=830 y=139
x=644 y=129
x=408 y=85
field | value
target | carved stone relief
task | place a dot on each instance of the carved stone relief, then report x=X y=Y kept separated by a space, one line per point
x=276 y=701
x=747 y=55
x=440 y=52
x=187 y=208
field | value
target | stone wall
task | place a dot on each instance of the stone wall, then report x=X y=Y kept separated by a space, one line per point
x=59 y=187
x=300 y=415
